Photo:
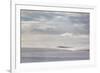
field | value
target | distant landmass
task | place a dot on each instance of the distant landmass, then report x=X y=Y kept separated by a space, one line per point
x=63 y=47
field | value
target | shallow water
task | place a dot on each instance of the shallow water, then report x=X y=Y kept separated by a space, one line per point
x=47 y=54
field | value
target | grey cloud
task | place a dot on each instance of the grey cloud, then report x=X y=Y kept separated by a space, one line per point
x=55 y=22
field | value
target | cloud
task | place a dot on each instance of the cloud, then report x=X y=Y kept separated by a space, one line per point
x=67 y=34
x=71 y=35
x=54 y=22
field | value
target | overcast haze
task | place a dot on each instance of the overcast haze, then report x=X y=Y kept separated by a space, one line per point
x=49 y=29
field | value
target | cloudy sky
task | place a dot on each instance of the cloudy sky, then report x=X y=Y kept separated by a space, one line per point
x=54 y=28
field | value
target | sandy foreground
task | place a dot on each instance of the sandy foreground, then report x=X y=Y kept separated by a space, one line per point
x=29 y=55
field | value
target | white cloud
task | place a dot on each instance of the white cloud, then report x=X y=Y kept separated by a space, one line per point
x=67 y=34
x=72 y=35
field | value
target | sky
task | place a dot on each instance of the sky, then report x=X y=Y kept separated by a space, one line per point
x=45 y=29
